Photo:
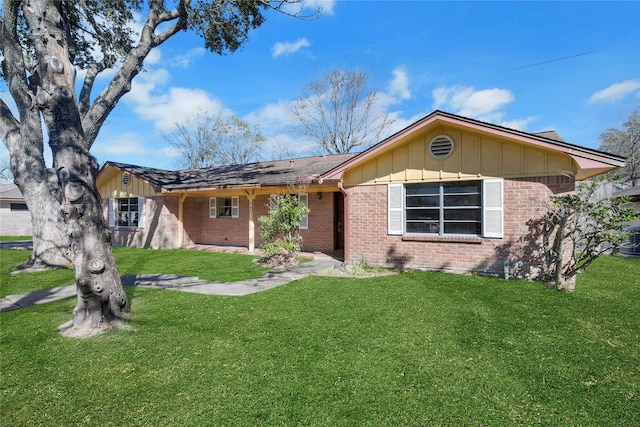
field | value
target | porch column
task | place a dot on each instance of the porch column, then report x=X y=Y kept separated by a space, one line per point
x=181 y=199
x=252 y=230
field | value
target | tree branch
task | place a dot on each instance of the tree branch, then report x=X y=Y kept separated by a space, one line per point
x=120 y=85
x=13 y=65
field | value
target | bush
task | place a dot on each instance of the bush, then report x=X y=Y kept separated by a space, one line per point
x=280 y=231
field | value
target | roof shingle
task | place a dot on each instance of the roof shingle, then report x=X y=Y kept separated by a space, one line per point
x=277 y=172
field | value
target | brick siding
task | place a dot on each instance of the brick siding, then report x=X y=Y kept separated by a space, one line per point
x=524 y=199
x=201 y=229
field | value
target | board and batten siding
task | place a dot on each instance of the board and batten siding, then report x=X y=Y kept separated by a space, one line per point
x=474 y=156
x=114 y=187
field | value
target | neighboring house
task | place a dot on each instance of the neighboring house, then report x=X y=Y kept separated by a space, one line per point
x=15 y=219
x=634 y=201
x=446 y=193
x=632 y=247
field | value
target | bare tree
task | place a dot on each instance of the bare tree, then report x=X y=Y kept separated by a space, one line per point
x=215 y=139
x=338 y=113
x=625 y=142
x=41 y=42
x=6 y=177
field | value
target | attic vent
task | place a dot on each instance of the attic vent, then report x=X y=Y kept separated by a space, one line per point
x=126 y=177
x=441 y=146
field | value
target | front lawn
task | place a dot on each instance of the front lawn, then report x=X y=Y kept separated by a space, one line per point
x=14 y=238
x=222 y=267
x=412 y=349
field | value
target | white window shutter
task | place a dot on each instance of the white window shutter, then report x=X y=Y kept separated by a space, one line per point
x=492 y=205
x=235 y=207
x=304 y=199
x=395 y=209
x=111 y=212
x=140 y=212
x=212 y=207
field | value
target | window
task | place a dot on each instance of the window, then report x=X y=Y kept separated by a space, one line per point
x=221 y=207
x=304 y=199
x=443 y=208
x=19 y=207
x=446 y=208
x=126 y=212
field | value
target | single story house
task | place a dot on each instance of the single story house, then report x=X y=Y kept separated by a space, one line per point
x=446 y=193
x=15 y=219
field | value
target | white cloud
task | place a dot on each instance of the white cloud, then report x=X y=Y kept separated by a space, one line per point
x=616 y=92
x=166 y=107
x=144 y=84
x=123 y=143
x=273 y=117
x=466 y=101
x=485 y=105
x=184 y=60
x=287 y=48
x=170 y=152
x=518 y=124
x=154 y=56
x=399 y=86
x=325 y=6
x=177 y=106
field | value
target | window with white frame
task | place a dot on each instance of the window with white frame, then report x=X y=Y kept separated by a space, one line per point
x=126 y=212
x=224 y=207
x=446 y=208
x=304 y=199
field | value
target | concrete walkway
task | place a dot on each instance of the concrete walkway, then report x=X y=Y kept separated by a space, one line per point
x=181 y=283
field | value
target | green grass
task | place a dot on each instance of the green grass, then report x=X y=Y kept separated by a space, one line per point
x=205 y=265
x=14 y=238
x=412 y=349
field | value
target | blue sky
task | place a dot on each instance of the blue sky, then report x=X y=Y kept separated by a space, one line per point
x=569 y=66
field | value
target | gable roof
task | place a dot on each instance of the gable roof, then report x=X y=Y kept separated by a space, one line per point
x=258 y=174
x=590 y=162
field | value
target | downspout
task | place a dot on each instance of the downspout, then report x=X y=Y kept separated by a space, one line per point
x=252 y=231
x=346 y=222
x=181 y=199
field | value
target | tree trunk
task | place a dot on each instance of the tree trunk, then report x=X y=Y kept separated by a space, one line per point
x=50 y=242
x=101 y=300
x=566 y=283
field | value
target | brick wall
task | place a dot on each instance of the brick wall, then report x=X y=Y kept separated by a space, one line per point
x=524 y=199
x=235 y=231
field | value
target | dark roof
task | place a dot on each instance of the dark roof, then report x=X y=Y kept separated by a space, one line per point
x=633 y=192
x=276 y=172
x=550 y=134
x=10 y=192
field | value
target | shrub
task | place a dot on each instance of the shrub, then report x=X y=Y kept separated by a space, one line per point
x=280 y=231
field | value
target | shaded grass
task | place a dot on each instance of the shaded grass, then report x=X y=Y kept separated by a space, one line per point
x=206 y=265
x=412 y=349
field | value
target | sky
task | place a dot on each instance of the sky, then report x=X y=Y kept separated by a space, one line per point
x=570 y=66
